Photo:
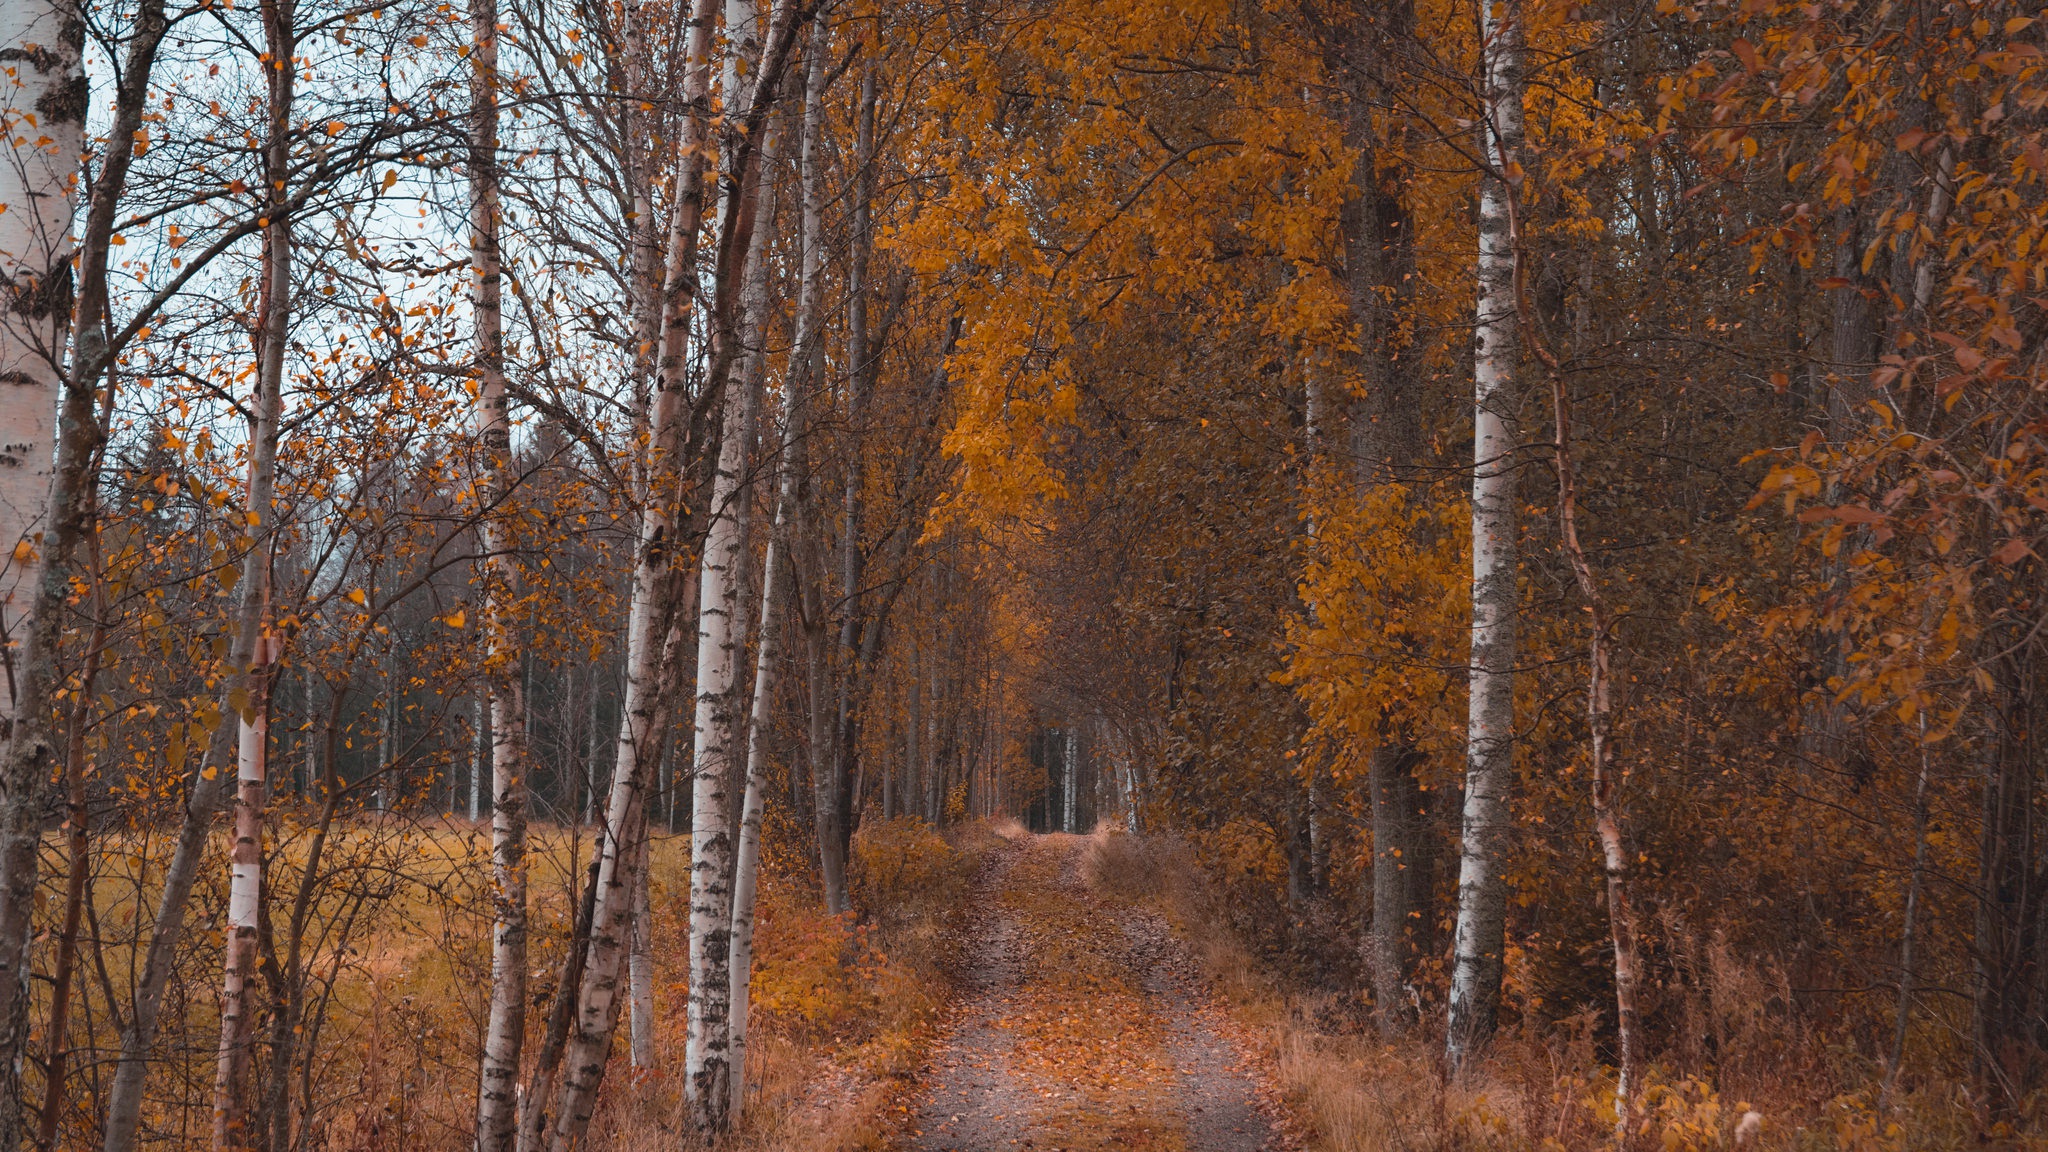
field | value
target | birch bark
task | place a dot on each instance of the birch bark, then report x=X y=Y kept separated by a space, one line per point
x=42 y=110
x=1606 y=815
x=505 y=1025
x=720 y=723
x=245 y=885
x=1489 y=753
x=245 y=892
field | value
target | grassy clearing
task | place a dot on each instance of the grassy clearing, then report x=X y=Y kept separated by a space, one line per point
x=396 y=955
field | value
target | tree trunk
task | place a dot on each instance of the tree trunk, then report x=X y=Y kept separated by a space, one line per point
x=789 y=458
x=913 y=731
x=505 y=1027
x=480 y=755
x=642 y=731
x=640 y=962
x=859 y=356
x=124 y=1101
x=533 y=1116
x=643 y=710
x=721 y=745
x=1391 y=782
x=78 y=860
x=1606 y=817
x=285 y=1028
x=746 y=869
x=826 y=814
x=245 y=896
x=1489 y=753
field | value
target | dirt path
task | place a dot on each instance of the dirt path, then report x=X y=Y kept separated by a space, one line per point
x=1081 y=1026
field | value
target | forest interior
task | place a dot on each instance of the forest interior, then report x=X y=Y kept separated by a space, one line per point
x=954 y=575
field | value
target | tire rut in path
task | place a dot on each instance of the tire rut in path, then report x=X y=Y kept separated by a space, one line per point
x=1079 y=1026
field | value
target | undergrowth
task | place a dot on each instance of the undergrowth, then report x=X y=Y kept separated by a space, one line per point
x=1538 y=1091
x=843 y=1006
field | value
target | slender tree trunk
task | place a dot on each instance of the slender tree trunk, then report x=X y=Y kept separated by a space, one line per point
x=533 y=1117
x=505 y=1026
x=746 y=869
x=231 y=1093
x=640 y=963
x=387 y=721
x=78 y=871
x=913 y=731
x=824 y=795
x=209 y=785
x=480 y=755
x=860 y=372
x=653 y=670
x=1392 y=787
x=286 y=1021
x=252 y=709
x=1606 y=815
x=1070 y=781
x=1477 y=960
x=825 y=807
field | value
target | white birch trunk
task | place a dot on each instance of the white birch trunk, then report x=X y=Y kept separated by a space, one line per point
x=480 y=757
x=43 y=106
x=505 y=1026
x=1489 y=754
x=747 y=866
x=719 y=642
x=1069 y=780
x=245 y=883
x=245 y=897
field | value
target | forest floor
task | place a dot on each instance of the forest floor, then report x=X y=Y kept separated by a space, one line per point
x=1082 y=1023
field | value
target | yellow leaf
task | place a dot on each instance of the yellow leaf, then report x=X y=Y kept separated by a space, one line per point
x=355 y=596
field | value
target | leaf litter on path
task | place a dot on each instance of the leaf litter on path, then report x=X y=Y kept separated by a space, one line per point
x=1079 y=1028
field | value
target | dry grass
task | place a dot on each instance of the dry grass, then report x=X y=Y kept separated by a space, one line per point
x=398 y=951
x=1359 y=1092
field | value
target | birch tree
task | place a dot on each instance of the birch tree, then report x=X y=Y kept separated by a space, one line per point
x=1481 y=929
x=505 y=723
